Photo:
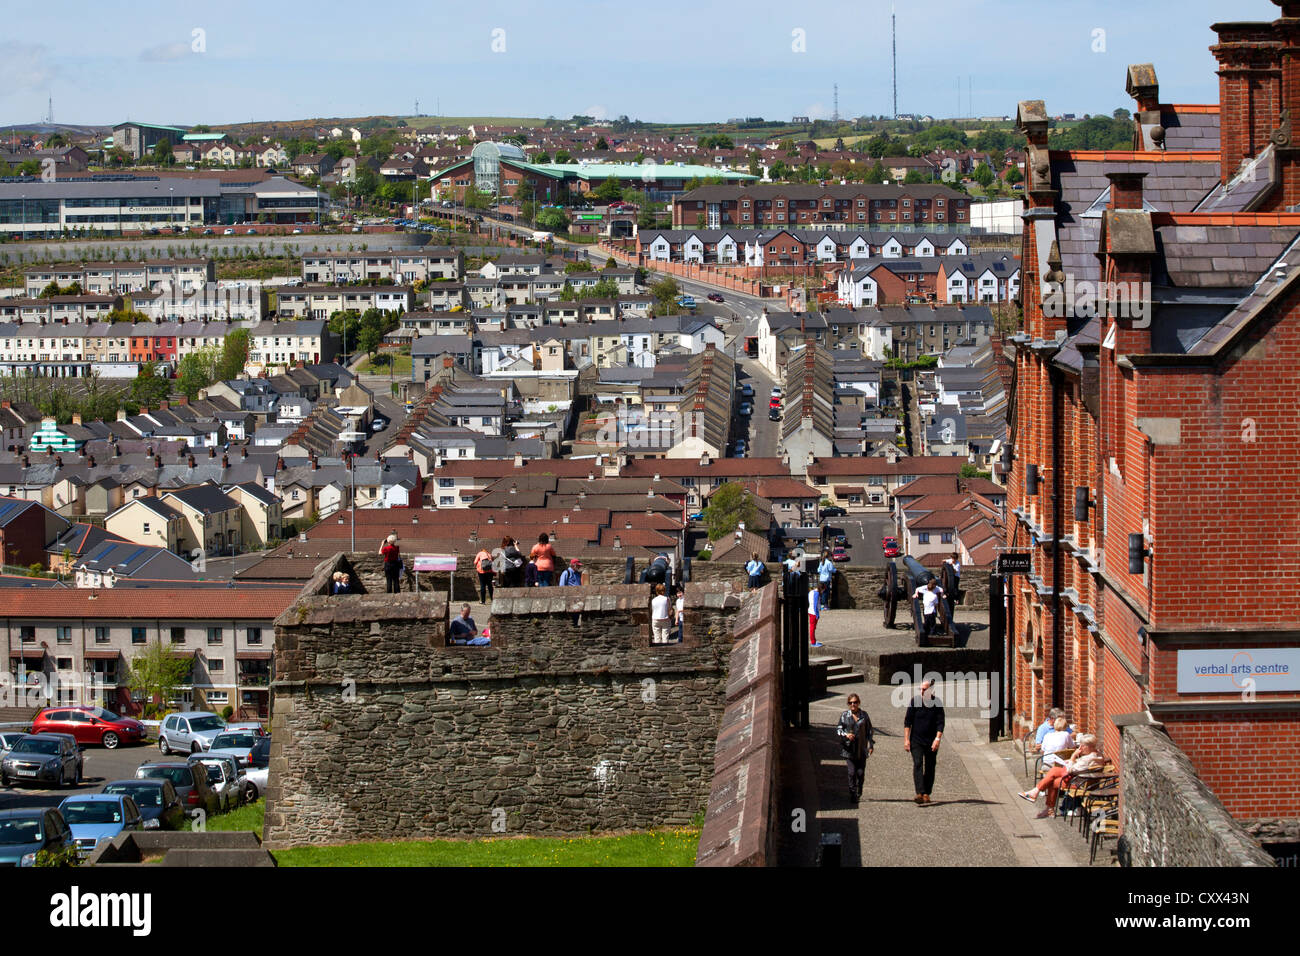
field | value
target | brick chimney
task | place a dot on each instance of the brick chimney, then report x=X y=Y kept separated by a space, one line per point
x=1126 y=189
x=1250 y=89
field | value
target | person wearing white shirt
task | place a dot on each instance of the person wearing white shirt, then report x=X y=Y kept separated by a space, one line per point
x=660 y=616
x=755 y=571
x=679 y=610
x=929 y=593
x=1059 y=738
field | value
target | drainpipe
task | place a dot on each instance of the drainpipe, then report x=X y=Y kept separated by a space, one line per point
x=1058 y=515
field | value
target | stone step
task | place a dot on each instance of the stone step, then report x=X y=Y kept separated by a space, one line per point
x=848 y=678
x=835 y=669
x=824 y=661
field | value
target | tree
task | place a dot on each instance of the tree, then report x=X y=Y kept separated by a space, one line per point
x=665 y=292
x=563 y=156
x=149 y=389
x=1014 y=175
x=983 y=175
x=878 y=173
x=1121 y=114
x=609 y=190
x=916 y=176
x=346 y=325
x=542 y=158
x=729 y=507
x=157 y=673
x=553 y=219
x=197 y=371
x=162 y=153
x=755 y=169
x=234 y=355
x=601 y=144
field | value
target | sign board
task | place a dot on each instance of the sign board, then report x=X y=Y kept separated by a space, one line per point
x=434 y=562
x=1227 y=670
x=1014 y=562
x=588 y=217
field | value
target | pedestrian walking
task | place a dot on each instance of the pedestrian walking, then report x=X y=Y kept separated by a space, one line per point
x=755 y=571
x=857 y=741
x=922 y=731
x=393 y=566
x=508 y=561
x=929 y=594
x=814 y=611
x=483 y=564
x=679 y=610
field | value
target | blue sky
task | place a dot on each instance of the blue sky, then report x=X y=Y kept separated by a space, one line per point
x=656 y=61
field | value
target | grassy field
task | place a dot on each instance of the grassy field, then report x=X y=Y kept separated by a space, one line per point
x=422 y=122
x=402 y=366
x=660 y=848
x=663 y=848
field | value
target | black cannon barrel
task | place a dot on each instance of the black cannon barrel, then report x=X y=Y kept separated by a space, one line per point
x=917 y=573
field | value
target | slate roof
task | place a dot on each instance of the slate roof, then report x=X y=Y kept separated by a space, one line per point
x=1190 y=130
x=1219 y=256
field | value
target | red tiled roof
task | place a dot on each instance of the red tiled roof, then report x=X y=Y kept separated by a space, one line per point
x=691 y=467
x=187 y=603
x=928 y=485
x=928 y=465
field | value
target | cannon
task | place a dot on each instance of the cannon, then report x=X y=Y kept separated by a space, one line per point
x=919 y=576
x=890 y=593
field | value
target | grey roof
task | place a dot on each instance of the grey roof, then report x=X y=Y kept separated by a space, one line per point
x=1269 y=288
x=114 y=189
x=1189 y=131
x=206 y=498
x=1247 y=187
x=1219 y=256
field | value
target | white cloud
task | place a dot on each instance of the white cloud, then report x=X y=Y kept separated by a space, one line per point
x=24 y=67
x=816 y=111
x=596 y=112
x=165 y=52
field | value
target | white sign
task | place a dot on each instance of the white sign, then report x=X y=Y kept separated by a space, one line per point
x=1231 y=670
x=435 y=562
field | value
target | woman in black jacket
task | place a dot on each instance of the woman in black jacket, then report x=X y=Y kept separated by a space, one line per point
x=857 y=741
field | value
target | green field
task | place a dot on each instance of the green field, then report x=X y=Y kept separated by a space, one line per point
x=423 y=122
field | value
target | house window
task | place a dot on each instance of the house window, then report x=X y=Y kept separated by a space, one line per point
x=214 y=635
x=217 y=697
x=178 y=635
x=946 y=537
x=446 y=501
x=923 y=537
x=138 y=635
x=101 y=635
x=216 y=665
x=64 y=634
x=253 y=635
x=28 y=632
x=146 y=527
x=63 y=663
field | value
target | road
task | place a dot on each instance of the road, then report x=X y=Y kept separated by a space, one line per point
x=864 y=532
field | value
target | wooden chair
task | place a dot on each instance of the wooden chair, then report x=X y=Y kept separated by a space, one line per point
x=1106 y=828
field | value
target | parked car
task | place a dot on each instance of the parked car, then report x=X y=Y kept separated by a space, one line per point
x=236 y=743
x=833 y=511
x=191 y=731
x=841 y=541
x=698 y=516
x=157 y=800
x=892 y=550
x=741 y=448
x=379 y=424
x=839 y=554
x=43 y=758
x=774 y=403
x=93 y=817
x=258 y=771
x=223 y=777
x=190 y=781
x=7 y=739
x=26 y=832
x=746 y=408
x=774 y=415
x=297 y=232
x=90 y=725
x=356 y=229
x=229 y=232
x=776 y=391
x=715 y=297
x=747 y=391
x=208 y=232
x=251 y=231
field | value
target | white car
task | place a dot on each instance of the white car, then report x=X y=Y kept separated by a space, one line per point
x=7 y=739
x=229 y=232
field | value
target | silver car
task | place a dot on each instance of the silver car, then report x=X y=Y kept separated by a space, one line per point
x=189 y=732
x=7 y=739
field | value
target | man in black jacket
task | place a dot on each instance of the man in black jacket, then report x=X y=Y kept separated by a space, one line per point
x=857 y=741
x=922 y=730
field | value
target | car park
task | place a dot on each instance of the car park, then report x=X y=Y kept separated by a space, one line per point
x=94 y=817
x=156 y=799
x=90 y=725
x=190 y=732
x=223 y=777
x=42 y=758
x=190 y=781
x=27 y=831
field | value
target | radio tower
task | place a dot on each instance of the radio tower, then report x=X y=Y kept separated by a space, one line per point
x=835 y=115
x=893 y=45
x=417 y=107
x=49 y=116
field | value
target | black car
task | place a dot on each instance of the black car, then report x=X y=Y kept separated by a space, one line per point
x=190 y=781
x=834 y=511
x=156 y=798
x=260 y=755
x=774 y=415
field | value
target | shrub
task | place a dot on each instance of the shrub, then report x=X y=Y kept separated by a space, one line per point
x=227 y=712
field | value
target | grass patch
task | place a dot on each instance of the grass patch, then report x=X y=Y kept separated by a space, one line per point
x=661 y=848
x=248 y=817
x=401 y=365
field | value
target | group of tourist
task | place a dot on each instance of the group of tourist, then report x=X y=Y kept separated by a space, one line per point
x=1064 y=755
x=923 y=724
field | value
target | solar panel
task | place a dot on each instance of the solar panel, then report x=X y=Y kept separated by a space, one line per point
x=132 y=556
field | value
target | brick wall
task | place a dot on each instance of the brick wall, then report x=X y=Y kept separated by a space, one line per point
x=1170 y=816
x=381 y=731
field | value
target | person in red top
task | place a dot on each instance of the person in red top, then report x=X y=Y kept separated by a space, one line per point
x=543 y=556
x=392 y=556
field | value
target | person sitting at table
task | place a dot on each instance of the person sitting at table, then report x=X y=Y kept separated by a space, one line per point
x=1057 y=740
x=1085 y=758
x=1045 y=728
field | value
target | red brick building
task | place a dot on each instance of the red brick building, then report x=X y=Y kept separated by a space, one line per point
x=1161 y=434
x=790 y=204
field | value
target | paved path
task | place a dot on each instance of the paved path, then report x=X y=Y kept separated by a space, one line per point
x=975 y=818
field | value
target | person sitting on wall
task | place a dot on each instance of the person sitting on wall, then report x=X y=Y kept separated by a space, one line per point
x=463 y=630
x=335 y=582
x=342 y=583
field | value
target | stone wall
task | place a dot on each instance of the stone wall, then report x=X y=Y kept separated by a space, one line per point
x=382 y=731
x=1170 y=816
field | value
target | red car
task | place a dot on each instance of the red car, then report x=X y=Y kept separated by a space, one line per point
x=90 y=725
x=839 y=554
x=775 y=403
x=892 y=550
